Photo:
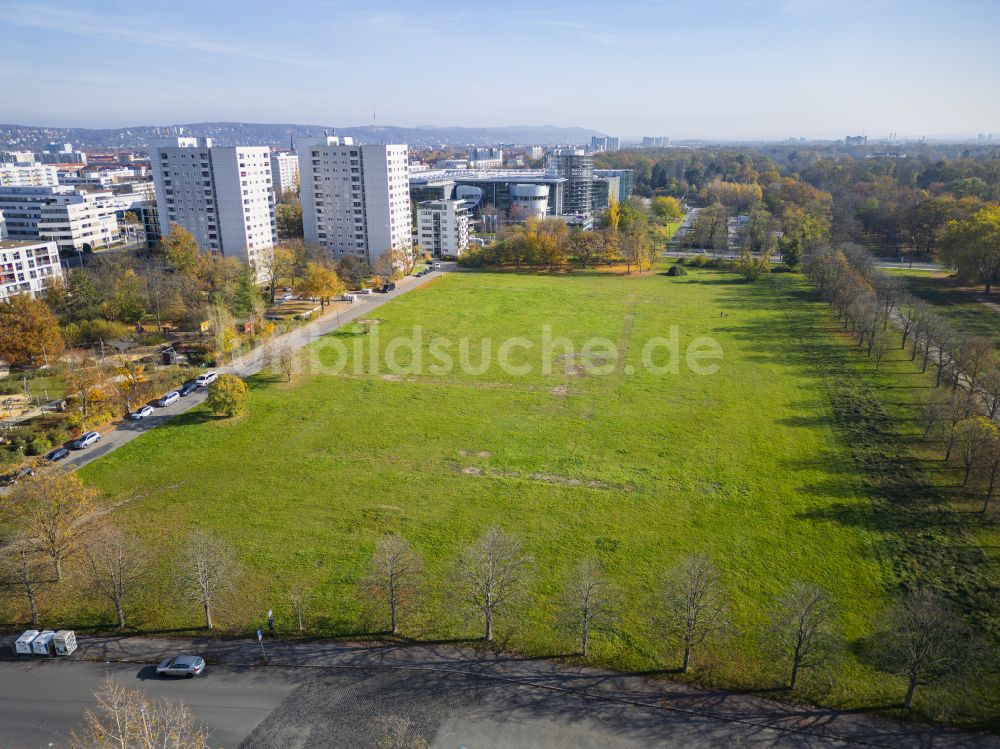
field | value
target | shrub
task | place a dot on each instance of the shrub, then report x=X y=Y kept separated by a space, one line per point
x=472 y=259
x=228 y=396
x=92 y=331
x=699 y=261
x=677 y=270
x=39 y=446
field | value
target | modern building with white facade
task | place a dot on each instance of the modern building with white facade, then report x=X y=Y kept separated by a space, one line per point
x=355 y=198
x=443 y=227
x=223 y=195
x=26 y=267
x=284 y=172
x=485 y=158
x=28 y=175
x=73 y=219
x=516 y=194
x=576 y=166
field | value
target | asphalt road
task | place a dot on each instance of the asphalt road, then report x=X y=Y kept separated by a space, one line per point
x=251 y=363
x=42 y=702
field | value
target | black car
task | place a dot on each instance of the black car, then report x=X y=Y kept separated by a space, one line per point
x=58 y=454
x=386 y=288
x=189 y=387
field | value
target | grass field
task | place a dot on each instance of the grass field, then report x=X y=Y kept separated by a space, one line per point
x=633 y=467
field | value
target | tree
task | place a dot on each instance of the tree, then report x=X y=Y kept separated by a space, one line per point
x=127 y=719
x=281 y=358
x=352 y=270
x=614 y=214
x=880 y=344
x=922 y=640
x=288 y=218
x=695 y=609
x=972 y=440
x=28 y=330
x=181 y=251
x=635 y=248
x=753 y=268
x=972 y=246
x=394 y=577
x=491 y=574
x=208 y=571
x=276 y=266
x=802 y=627
x=129 y=377
x=83 y=377
x=21 y=569
x=55 y=510
x=667 y=208
x=586 y=246
x=117 y=567
x=588 y=602
x=228 y=396
x=299 y=597
x=321 y=281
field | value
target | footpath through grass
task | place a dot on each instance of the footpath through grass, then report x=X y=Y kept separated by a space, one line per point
x=633 y=467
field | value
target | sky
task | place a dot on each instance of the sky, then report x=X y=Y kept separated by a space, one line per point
x=680 y=68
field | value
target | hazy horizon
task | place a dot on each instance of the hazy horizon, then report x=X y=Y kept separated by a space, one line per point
x=741 y=70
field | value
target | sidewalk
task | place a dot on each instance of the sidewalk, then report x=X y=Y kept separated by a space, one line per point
x=635 y=689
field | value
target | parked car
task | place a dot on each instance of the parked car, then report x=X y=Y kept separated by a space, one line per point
x=12 y=478
x=58 y=454
x=172 y=397
x=347 y=298
x=437 y=266
x=85 y=440
x=188 y=387
x=363 y=292
x=387 y=287
x=206 y=378
x=287 y=297
x=181 y=665
x=141 y=413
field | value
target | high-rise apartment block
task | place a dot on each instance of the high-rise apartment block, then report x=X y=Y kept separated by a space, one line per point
x=222 y=195
x=355 y=198
x=284 y=172
x=28 y=175
x=73 y=219
x=443 y=227
x=605 y=143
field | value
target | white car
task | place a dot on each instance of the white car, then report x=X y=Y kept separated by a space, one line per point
x=363 y=292
x=172 y=397
x=85 y=440
x=181 y=665
x=207 y=378
x=287 y=297
x=141 y=413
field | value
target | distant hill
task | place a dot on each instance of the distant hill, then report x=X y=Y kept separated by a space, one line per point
x=22 y=137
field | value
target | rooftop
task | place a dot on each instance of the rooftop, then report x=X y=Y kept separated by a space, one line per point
x=16 y=244
x=483 y=175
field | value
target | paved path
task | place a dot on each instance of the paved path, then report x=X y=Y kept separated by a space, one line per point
x=722 y=718
x=248 y=364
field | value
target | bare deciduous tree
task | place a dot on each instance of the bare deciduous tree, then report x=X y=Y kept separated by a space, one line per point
x=802 y=627
x=922 y=641
x=117 y=566
x=55 y=510
x=588 y=601
x=492 y=573
x=281 y=360
x=208 y=570
x=299 y=598
x=695 y=608
x=21 y=569
x=128 y=719
x=394 y=576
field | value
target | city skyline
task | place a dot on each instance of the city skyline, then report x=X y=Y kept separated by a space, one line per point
x=751 y=69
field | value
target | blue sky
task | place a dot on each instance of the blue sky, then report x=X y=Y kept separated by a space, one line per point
x=683 y=68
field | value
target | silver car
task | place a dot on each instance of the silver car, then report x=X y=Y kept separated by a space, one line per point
x=181 y=665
